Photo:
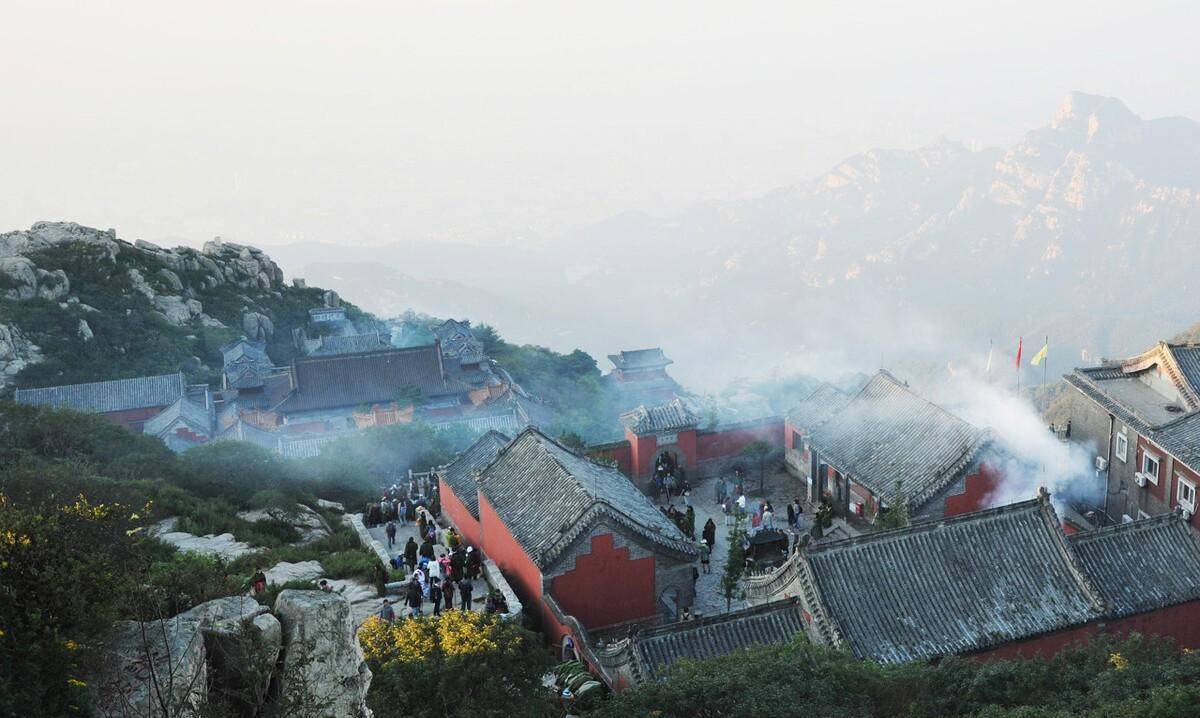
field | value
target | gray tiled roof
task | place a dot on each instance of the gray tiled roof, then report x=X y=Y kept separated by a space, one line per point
x=348 y=380
x=1187 y=356
x=459 y=474
x=459 y=341
x=656 y=649
x=1180 y=437
x=108 y=396
x=825 y=401
x=954 y=585
x=350 y=344
x=887 y=432
x=672 y=416
x=242 y=349
x=1143 y=565
x=197 y=418
x=548 y=496
x=242 y=430
x=640 y=359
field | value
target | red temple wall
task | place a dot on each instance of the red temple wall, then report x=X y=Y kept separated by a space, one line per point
x=606 y=586
x=721 y=444
x=501 y=547
x=133 y=419
x=454 y=509
x=978 y=487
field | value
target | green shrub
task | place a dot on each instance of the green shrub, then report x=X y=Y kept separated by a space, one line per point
x=188 y=579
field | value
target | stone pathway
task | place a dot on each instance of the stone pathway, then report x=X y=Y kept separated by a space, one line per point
x=478 y=596
x=710 y=597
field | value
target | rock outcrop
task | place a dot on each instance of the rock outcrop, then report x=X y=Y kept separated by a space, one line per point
x=243 y=642
x=223 y=545
x=155 y=669
x=323 y=667
x=285 y=571
x=16 y=353
x=308 y=523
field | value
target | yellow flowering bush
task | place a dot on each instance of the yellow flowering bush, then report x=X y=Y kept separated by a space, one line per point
x=475 y=662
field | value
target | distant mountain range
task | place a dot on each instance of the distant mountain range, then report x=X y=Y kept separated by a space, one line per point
x=1088 y=231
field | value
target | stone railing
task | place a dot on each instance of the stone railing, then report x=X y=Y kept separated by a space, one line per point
x=371 y=544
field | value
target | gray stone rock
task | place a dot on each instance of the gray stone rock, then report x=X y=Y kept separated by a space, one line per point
x=172 y=279
x=45 y=235
x=176 y=309
x=258 y=327
x=85 y=331
x=223 y=545
x=285 y=571
x=323 y=664
x=52 y=285
x=16 y=353
x=21 y=275
x=308 y=523
x=243 y=642
x=155 y=669
x=140 y=284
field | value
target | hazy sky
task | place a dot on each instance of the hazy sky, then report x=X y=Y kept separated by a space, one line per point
x=357 y=122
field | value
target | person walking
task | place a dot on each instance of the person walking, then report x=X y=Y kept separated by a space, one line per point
x=404 y=509
x=391 y=533
x=464 y=591
x=721 y=489
x=710 y=533
x=768 y=517
x=414 y=598
x=689 y=522
x=448 y=593
x=426 y=551
x=474 y=563
x=386 y=612
x=435 y=595
x=705 y=556
x=410 y=554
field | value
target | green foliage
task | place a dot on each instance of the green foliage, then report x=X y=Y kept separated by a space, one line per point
x=1107 y=678
x=66 y=572
x=575 y=394
x=458 y=665
x=735 y=561
x=129 y=337
x=184 y=580
x=896 y=516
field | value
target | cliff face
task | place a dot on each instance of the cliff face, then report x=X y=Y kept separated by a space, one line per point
x=80 y=304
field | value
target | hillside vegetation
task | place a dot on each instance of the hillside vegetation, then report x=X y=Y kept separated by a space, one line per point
x=78 y=305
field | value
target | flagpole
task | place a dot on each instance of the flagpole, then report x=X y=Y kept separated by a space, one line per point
x=1020 y=341
x=1045 y=363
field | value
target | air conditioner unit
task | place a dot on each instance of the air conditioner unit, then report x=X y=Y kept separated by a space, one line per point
x=1140 y=478
x=1101 y=463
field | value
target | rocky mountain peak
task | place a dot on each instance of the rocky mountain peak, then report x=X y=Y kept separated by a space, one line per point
x=1094 y=118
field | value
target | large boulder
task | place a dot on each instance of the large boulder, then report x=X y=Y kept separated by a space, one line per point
x=223 y=545
x=285 y=571
x=323 y=670
x=16 y=353
x=46 y=235
x=243 y=642
x=176 y=309
x=258 y=327
x=308 y=523
x=154 y=669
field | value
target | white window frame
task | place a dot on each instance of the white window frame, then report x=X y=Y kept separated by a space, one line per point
x=1180 y=483
x=1151 y=456
x=1122 y=448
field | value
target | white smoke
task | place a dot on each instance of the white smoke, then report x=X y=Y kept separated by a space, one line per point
x=1035 y=457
